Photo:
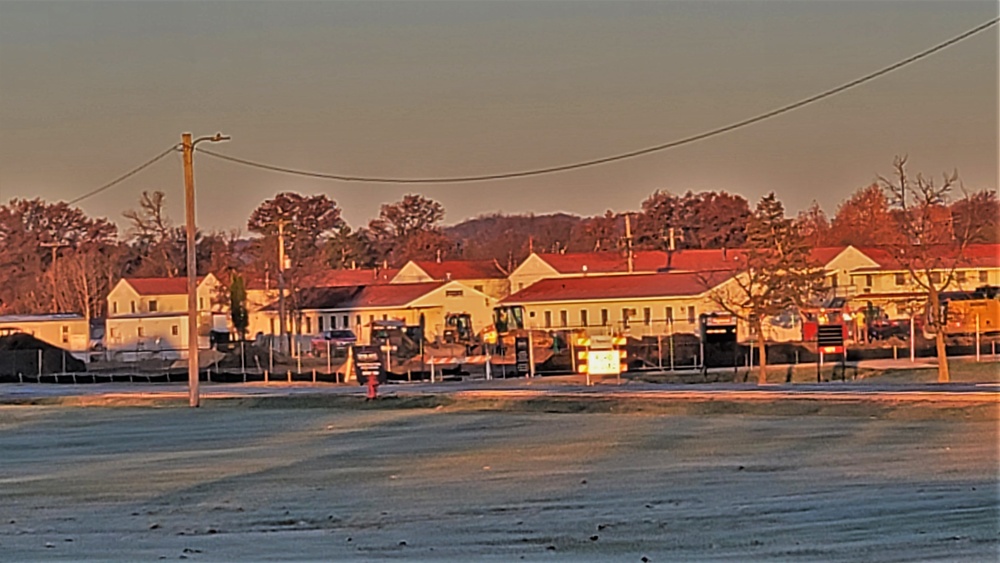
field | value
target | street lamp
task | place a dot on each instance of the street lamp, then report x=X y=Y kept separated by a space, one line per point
x=187 y=146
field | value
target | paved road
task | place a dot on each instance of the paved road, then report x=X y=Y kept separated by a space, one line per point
x=559 y=386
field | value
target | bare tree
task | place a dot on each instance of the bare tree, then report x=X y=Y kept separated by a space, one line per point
x=931 y=249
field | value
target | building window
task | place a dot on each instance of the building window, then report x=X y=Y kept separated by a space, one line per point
x=520 y=286
x=201 y=302
x=346 y=322
x=935 y=277
x=900 y=278
x=548 y=319
x=984 y=276
x=868 y=280
x=604 y=317
x=65 y=334
x=115 y=333
x=114 y=307
x=357 y=320
x=691 y=315
x=371 y=320
x=141 y=332
x=133 y=306
x=453 y=293
x=272 y=326
x=833 y=280
x=960 y=276
x=385 y=317
x=670 y=314
x=319 y=323
x=647 y=316
x=584 y=321
x=152 y=305
x=625 y=319
x=478 y=288
x=564 y=318
x=308 y=325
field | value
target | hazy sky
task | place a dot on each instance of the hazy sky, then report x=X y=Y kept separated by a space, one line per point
x=89 y=90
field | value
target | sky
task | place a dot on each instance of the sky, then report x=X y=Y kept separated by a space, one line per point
x=90 y=90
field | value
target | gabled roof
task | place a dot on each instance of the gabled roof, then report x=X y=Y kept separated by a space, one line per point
x=380 y=296
x=636 y=286
x=975 y=256
x=690 y=260
x=461 y=269
x=160 y=286
x=343 y=278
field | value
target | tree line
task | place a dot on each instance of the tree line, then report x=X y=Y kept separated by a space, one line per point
x=55 y=258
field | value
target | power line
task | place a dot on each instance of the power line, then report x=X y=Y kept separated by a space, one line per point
x=657 y=148
x=125 y=176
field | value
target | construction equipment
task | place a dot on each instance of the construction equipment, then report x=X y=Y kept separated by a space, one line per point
x=508 y=325
x=969 y=313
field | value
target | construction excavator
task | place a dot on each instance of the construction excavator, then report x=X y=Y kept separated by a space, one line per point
x=508 y=325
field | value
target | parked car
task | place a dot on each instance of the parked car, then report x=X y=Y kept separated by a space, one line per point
x=341 y=337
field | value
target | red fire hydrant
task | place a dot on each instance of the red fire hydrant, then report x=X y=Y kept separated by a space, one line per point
x=372 y=385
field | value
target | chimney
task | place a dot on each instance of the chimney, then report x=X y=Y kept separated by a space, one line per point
x=439 y=256
x=723 y=253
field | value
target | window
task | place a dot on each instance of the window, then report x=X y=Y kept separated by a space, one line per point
x=152 y=305
x=960 y=276
x=935 y=277
x=319 y=323
x=65 y=334
x=175 y=330
x=357 y=320
x=385 y=317
x=114 y=307
x=520 y=286
x=564 y=318
x=584 y=321
x=453 y=293
x=201 y=302
x=691 y=315
x=868 y=280
x=900 y=278
x=115 y=333
x=371 y=320
x=141 y=332
x=478 y=288
x=625 y=316
x=308 y=325
x=833 y=280
x=346 y=321
x=647 y=316
x=604 y=317
x=548 y=319
x=272 y=326
x=133 y=306
x=670 y=314
x=984 y=276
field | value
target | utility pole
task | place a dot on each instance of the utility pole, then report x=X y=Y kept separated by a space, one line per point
x=281 y=284
x=187 y=147
x=55 y=246
x=628 y=242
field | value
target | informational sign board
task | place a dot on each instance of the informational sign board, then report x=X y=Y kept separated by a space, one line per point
x=604 y=362
x=830 y=339
x=368 y=363
x=522 y=355
x=718 y=328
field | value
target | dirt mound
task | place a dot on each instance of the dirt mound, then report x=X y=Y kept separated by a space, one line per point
x=19 y=356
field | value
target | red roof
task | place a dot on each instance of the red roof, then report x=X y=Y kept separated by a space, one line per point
x=362 y=297
x=461 y=269
x=975 y=256
x=691 y=260
x=160 y=286
x=671 y=284
x=343 y=278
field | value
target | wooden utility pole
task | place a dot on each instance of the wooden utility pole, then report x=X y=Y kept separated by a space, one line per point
x=187 y=147
x=628 y=243
x=282 y=330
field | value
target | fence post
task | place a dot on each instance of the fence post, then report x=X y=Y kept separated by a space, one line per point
x=39 y=366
